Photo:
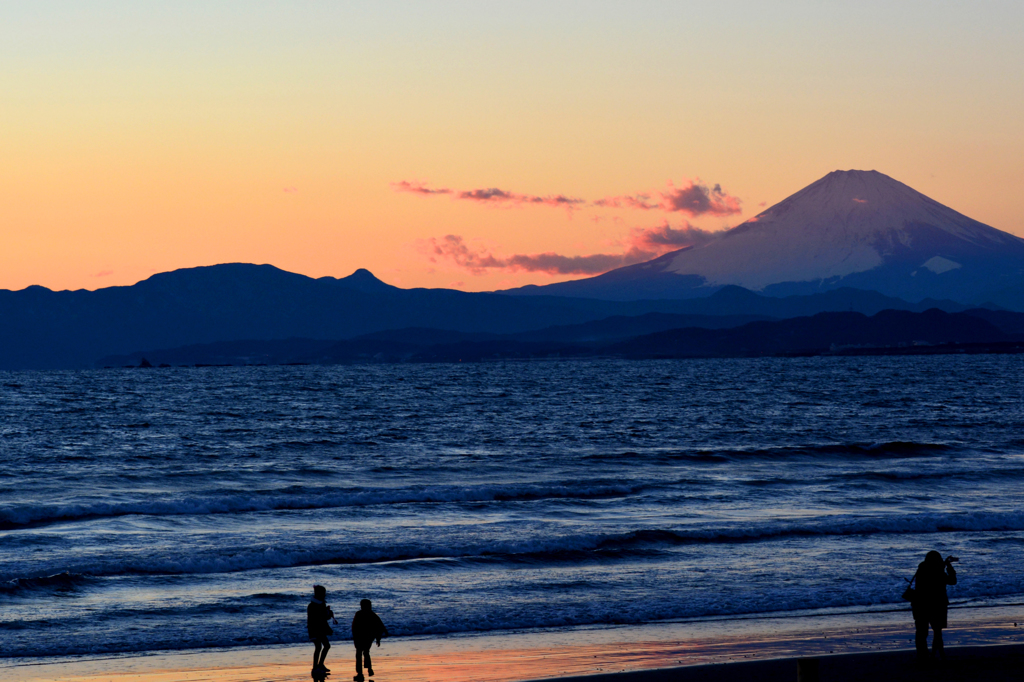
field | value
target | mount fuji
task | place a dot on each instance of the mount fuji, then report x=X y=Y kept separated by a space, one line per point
x=857 y=229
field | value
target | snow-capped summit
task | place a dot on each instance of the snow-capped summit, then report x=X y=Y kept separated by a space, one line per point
x=848 y=222
x=851 y=228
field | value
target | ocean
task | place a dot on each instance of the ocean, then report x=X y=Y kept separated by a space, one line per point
x=180 y=508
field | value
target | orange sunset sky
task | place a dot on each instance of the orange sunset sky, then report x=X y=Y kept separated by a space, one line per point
x=476 y=145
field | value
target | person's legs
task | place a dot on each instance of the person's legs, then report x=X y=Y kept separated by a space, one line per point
x=921 y=638
x=316 y=653
x=367 y=662
x=359 y=660
x=323 y=652
x=937 y=643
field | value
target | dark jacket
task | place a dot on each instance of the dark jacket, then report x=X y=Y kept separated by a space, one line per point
x=930 y=598
x=931 y=584
x=366 y=627
x=317 y=616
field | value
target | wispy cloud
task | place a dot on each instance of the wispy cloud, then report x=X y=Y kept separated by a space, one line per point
x=642 y=201
x=642 y=245
x=478 y=260
x=665 y=238
x=693 y=199
x=417 y=188
x=493 y=195
x=490 y=195
x=697 y=199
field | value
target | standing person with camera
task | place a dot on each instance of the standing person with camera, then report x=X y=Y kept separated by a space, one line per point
x=929 y=601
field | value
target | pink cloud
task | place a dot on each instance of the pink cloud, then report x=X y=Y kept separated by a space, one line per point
x=558 y=200
x=417 y=188
x=640 y=201
x=485 y=195
x=490 y=195
x=693 y=199
x=860 y=201
x=642 y=245
x=291 y=190
x=665 y=238
x=697 y=199
x=104 y=273
x=551 y=263
x=493 y=195
x=454 y=248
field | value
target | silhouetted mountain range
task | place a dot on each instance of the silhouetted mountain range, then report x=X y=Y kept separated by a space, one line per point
x=45 y=329
x=851 y=242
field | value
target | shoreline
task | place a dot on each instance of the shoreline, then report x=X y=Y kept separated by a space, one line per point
x=993 y=663
x=609 y=652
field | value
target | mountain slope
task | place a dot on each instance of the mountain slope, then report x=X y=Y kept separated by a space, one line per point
x=859 y=229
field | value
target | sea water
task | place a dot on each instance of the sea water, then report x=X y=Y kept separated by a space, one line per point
x=180 y=508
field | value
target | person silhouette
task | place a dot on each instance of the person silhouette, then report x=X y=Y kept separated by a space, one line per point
x=366 y=627
x=930 y=601
x=318 y=613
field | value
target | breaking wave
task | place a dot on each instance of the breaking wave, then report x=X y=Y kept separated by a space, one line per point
x=50 y=584
x=534 y=550
x=308 y=498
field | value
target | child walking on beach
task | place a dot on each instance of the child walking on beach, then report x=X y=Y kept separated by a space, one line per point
x=317 y=615
x=366 y=627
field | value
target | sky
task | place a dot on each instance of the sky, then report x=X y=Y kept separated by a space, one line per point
x=476 y=145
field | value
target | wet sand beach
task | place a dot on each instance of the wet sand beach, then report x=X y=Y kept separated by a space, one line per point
x=968 y=664
x=988 y=645
x=997 y=663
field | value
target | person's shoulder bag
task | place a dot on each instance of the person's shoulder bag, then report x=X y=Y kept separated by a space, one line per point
x=908 y=594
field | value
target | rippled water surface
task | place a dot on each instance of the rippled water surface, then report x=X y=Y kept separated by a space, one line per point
x=179 y=508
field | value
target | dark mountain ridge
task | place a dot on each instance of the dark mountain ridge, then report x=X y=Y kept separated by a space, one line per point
x=43 y=329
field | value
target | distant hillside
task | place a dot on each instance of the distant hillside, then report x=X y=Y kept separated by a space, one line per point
x=817 y=334
x=43 y=329
x=396 y=345
x=887 y=332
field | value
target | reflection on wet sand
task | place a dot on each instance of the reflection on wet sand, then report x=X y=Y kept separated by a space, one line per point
x=514 y=657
